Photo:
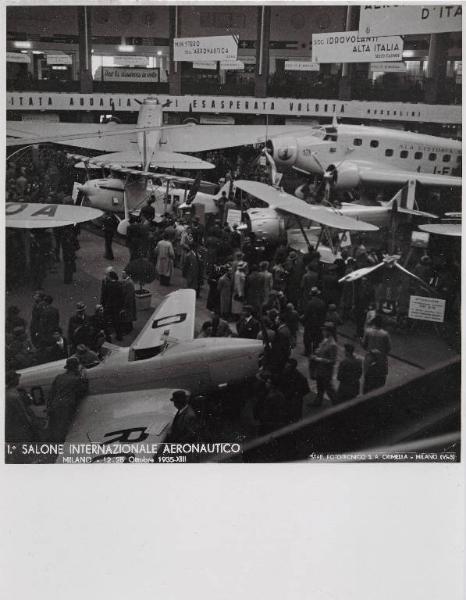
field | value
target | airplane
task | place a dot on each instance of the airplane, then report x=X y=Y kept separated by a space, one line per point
x=269 y=222
x=390 y=262
x=170 y=191
x=22 y=215
x=155 y=145
x=349 y=156
x=129 y=390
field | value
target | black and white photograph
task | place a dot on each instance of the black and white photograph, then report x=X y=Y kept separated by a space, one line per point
x=232 y=233
x=232 y=300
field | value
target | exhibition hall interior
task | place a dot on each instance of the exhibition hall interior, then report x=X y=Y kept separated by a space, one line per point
x=233 y=233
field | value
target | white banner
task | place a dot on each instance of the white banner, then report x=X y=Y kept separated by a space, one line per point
x=301 y=65
x=131 y=61
x=122 y=74
x=409 y=20
x=248 y=105
x=17 y=57
x=59 y=59
x=208 y=64
x=231 y=65
x=426 y=309
x=220 y=47
x=349 y=46
x=388 y=67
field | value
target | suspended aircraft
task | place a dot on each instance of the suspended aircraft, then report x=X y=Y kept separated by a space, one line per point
x=128 y=390
x=346 y=157
x=155 y=145
x=269 y=222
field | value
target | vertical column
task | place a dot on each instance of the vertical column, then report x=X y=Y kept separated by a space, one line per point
x=437 y=66
x=344 y=90
x=262 y=51
x=85 y=48
x=174 y=73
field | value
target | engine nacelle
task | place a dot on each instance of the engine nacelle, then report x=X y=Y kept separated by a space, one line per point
x=266 y=225
x=284 y=150
x=346 y=177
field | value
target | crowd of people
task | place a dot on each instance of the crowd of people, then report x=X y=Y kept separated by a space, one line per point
x=289 y=300
x=42 y=339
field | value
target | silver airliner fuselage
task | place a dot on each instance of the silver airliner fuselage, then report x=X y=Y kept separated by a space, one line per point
x=388 y=149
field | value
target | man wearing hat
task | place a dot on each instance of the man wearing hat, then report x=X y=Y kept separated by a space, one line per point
x=313 y=320
x=185 y=427
x=248 y=327
x=79 y=328
x=349 y=374
x=67 y=389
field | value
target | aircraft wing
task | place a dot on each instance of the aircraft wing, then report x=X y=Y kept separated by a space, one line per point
x=450 y=229
x=109 y=420
x=358 y=273
x=172 y=320
x=110 y=137
x=199 y=138
x=287 y=203
x=113 y=137
x=122 y=161
x=379 y=175
x=23 y=215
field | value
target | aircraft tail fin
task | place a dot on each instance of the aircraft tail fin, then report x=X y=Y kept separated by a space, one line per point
x=172 y=321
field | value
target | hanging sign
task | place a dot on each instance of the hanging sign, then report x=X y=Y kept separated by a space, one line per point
x=247 y=60
x=131 y=61
x=388 y=67
x=231 y=65
x=301 y=65
x=446 y=114
x=208 y=64
x=59 y=59
x=409 y=20
x=426 y=309
x=349 y=46
x=220 y=47
x=17 y=57
x=137 y=75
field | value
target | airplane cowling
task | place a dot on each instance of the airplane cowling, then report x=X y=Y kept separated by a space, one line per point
x=266 y=225
x=346 y=176
x=284 y=150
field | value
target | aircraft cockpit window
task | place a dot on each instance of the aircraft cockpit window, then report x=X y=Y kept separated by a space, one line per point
x=388 y=152
x=330 y=138
x=333 y=149
x=432 y=156
x=374 y=143
x=357 y=142
x=418 y=155
x=404 y=154
x=446 y=157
